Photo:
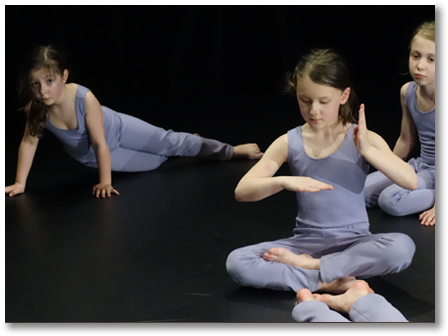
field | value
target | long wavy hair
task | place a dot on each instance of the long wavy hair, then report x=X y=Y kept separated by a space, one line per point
x=325 y=67
x=53 y=62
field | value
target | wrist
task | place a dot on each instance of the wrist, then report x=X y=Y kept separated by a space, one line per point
x=21 y=183
x=367 y=151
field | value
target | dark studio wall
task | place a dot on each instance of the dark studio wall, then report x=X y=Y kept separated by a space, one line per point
x=215 y=70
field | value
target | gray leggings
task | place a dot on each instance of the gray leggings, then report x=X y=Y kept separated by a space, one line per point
x=143 y=146
x=396 y=201
x=369 y=308
x=343 y=252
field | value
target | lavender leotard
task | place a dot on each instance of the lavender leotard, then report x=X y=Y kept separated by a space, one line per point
x=331 y=225
x=393 y=199
x=134 y=144
x=345 y=170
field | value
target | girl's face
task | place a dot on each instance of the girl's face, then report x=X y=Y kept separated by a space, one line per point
x=47 y=87
x=422 y=61
x=319 y=104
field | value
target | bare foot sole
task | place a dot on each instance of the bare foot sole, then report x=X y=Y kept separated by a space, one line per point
x=337 y=286
x=285 y=256
x=247 y=151
x=344 y=302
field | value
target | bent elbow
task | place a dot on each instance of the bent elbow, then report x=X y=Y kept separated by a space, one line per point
x=411 y=183
x=239 y=195
x=414 y=183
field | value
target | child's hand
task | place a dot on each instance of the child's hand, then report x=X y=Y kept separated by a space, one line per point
x=428 y=217
x=15 y=189
x=361 y=133
x=304 y=184
x=104 y=189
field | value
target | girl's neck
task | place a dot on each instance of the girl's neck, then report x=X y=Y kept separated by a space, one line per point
x=330 y=132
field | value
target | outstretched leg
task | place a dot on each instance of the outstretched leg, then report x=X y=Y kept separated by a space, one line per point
x=139 y=135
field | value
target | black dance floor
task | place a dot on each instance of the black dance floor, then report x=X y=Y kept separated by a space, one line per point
x=157 y=252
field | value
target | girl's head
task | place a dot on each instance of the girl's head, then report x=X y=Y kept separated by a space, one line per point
x=41 y=84
x=322 y=83
x=422 y=55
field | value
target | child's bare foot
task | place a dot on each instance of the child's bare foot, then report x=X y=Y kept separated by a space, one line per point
x=337 y=286
x=284 y=256
x=344 y=302
x=304 y=295
x=247 y=151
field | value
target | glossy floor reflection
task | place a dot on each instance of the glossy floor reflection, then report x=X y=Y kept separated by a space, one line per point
x=157 y=252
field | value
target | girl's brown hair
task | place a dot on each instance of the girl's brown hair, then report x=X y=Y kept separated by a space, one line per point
x=325 y=67
x=51 y=61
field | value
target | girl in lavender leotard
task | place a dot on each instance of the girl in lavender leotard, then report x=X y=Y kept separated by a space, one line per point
x=96 y=135
x=328 y=157
x=418 y=123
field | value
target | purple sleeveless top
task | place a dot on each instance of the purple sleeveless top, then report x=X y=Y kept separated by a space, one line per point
x=345 y=170
x=77 y=142
x=426 y=126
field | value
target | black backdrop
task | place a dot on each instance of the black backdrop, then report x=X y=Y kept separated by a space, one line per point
x=215 y=70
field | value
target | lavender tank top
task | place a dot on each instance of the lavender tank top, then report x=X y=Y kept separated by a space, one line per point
x=426 y=126
x=77 y=142
x=345 y=170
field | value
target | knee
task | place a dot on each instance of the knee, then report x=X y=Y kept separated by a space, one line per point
x=400 y=251
x=390 y=204
x=235 y=266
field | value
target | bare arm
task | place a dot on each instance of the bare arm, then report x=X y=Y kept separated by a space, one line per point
x=259 y=182
x=27 y=150
x=408 y=135
x=95 y=126
x=375 y=150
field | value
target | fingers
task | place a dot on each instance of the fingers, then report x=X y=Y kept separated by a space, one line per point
x=362 y=118
x=13 y=191
x=427 y=218
x=317 y=187
x=104 y=192
x=327 y=187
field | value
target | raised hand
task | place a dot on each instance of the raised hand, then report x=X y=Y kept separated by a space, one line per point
x=104 y=190
x=304 y=184
x=15 y=189
x=361 y=133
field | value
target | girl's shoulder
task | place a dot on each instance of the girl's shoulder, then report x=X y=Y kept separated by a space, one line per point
x=80 y=90
x=408 y=86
